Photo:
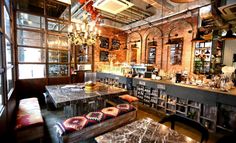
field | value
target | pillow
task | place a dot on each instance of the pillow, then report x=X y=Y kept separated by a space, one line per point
x=129 y=98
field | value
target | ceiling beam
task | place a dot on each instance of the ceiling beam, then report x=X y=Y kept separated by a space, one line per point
x=139 y=10
x=159 y=4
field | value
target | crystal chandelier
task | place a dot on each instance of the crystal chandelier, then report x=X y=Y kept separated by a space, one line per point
x=83 y=33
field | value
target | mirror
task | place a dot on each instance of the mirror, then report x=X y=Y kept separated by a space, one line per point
x=134 y=48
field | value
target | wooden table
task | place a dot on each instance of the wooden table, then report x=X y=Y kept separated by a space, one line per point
x=144 y=131
x=76 y=101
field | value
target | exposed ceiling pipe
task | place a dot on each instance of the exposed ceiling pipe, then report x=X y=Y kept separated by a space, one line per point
x=163 y=18
x=134 y=8
x=118 y=17
x=160 y=3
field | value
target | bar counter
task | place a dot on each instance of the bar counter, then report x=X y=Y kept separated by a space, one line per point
x=196 y=93
x=201 y=94
x=211 y=107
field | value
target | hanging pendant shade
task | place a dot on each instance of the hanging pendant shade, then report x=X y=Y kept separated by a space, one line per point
x=198 y=37
x=229 y=35
x=168 y=42
x=182 y=1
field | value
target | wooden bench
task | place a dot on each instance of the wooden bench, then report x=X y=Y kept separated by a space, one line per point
x=29 y=122
x=90 y=125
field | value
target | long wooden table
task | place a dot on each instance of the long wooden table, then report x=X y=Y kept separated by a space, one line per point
x=76 y=101
x=144 y=131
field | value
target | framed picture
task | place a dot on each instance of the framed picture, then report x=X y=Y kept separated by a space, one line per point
x=104 y=42
x=115 y=44
x=104 y=56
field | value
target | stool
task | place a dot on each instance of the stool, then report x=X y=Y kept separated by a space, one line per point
x=130 y=99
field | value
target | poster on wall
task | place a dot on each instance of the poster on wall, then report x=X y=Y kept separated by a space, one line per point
x=115 y=44
x=104 y=42
x=104 y=56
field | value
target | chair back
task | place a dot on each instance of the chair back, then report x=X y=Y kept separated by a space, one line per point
x=189 y=122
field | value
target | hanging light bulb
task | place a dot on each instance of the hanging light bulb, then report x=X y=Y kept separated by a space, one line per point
x=182 y=1
x=229 y=35
x=198 y=37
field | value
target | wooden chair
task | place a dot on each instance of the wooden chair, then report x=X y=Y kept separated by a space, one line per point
x=189 y=122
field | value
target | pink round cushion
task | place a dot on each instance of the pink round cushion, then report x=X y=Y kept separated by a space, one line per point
x=75 y=123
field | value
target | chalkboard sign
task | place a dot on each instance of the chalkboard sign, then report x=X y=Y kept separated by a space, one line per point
x=115 y=44
x=104 y=56
x=176 y=50
x=104 y=42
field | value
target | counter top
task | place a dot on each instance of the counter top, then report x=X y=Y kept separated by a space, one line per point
x=143 y=131
x=204 y=88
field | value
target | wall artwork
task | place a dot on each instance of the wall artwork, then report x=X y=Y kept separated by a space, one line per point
x=104 y=56
x=115 y=44
x=104 y=42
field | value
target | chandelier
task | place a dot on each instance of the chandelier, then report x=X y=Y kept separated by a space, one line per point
x=83 y=33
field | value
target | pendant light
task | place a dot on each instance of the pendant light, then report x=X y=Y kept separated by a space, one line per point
x=169 y=42
x=198 y=37
x=182 y=1
x=229 y=35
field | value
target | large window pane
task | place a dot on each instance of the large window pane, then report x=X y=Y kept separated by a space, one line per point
x=57 y=56
x=29 y=38
x=0 y=50
x=27 y=71
x=7 y=3
x=29 y=21
x=54 y=41
x=58 y=70
x=7 y=23
x=1 y=91
x=57 y=27
x=31 y=54
x=9 y=79
x=8 y=53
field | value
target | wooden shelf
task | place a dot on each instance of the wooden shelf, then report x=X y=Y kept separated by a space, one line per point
x=161 y=99
x=171 y=103
x=181 y=112
x=181 y=105
x=223 y=128
x=212 y=120
x=171 y=110
x=161 y=106
x=193 y=106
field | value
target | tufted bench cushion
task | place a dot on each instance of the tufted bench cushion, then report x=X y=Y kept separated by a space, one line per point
x=94 y=123
x=29 y=119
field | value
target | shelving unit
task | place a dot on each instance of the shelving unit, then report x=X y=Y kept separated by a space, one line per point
x=158 y=99
x=181 y=107
x=202 y=57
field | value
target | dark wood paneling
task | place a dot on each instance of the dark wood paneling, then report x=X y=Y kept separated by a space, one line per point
x=3 y=123
x=11 y=112
x=59 y=80
x=31 y=88
x=36 y=87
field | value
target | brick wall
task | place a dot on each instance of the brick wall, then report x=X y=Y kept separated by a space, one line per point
x=111 y=33
x=160 y=33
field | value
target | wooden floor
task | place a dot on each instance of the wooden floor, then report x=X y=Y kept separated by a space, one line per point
x=51 y=117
